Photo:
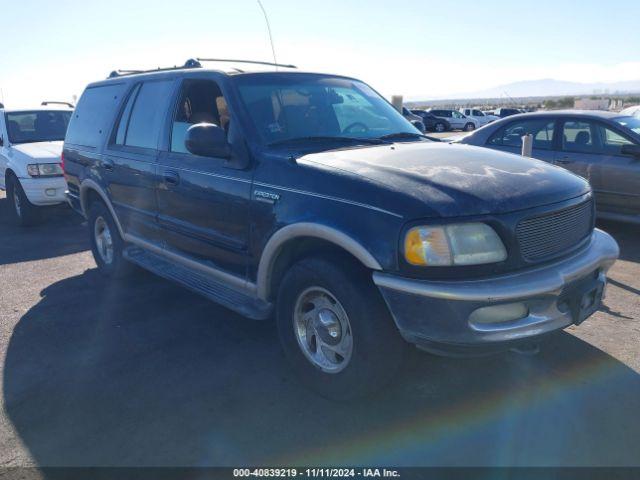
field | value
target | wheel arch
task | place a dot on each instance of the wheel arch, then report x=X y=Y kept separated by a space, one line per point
x=295 y=241
x=89 y=191
x=7 y=173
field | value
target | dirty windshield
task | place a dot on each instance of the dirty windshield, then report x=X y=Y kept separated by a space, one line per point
x=296 y=107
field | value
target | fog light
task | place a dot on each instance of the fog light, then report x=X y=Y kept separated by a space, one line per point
x=499 y=313
x=50 y=192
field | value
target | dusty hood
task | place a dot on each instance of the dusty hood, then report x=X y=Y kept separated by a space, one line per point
x=458 y=180
x=40 y=150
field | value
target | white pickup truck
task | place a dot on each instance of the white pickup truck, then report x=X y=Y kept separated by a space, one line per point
x=30 y=159
x=477 y=114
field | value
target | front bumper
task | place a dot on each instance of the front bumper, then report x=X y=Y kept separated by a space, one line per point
x=437 y=315
x=45 y=191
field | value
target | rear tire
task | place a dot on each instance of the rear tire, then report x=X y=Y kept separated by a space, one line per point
x=23 y=212
x=440 y=127
x=335 y=328
x=469 y=127
x=107 y=245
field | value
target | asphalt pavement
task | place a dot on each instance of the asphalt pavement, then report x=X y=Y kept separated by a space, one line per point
x=142 y=372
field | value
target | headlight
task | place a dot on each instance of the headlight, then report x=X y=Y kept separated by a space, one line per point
x=456 y=244
x=44 y=169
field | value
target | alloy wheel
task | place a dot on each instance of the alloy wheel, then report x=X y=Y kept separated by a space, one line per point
x=104 y=240
x=322 y=330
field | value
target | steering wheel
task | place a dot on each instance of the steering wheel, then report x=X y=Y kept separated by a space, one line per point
x=349 y=128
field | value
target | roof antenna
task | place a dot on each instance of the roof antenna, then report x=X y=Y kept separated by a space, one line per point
x=266 y=19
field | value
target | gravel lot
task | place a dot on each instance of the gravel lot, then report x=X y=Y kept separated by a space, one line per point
x=143 y=372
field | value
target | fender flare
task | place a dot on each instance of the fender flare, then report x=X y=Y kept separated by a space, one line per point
x=88 y=185
x=298 y=230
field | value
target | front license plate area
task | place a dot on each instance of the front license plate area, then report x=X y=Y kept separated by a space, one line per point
x=584 y=298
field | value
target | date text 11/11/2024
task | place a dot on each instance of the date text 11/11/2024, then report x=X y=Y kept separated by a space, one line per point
x=316 y=473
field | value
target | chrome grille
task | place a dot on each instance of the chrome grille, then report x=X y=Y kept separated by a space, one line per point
x=554 y=233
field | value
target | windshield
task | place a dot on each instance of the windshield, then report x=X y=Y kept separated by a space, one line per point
x=632 y=123
x=297 y=106
x=37 y=125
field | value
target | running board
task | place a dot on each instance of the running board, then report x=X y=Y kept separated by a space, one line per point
x=200 y=283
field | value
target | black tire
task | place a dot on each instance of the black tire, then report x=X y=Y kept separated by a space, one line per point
x=469 y=127
x=114 y=265
x=23 y=212
x=440 y=127
x=378 y=348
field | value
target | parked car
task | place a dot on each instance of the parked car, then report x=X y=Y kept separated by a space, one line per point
x=603 y=147
x=309 y=197
x=415 y=120
x=478 y=115
x=631 y=111
x=456 y=119
x=431 y=122
x=506 y=112
x=30 y=170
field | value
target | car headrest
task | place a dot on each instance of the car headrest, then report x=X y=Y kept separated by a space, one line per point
x=582 y=138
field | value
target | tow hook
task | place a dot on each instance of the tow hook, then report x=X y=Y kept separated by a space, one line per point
x=528 y=349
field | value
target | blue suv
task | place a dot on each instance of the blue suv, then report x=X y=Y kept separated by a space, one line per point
x=308 y=197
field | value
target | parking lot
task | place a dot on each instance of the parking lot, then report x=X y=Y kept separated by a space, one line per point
x=143 y=372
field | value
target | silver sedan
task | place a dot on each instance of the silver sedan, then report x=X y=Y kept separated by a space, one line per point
x=603 y=147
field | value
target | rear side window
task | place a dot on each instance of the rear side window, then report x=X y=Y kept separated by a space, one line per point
x=91 y=118
x=143 y=116
x=511 y=135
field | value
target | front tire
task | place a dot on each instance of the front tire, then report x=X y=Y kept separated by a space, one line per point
x=23 y=212
x=106 y=244
x=335 y=328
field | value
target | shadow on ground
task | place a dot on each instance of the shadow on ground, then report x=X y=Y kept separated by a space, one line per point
x=628 y=237
x=59 y=233
x=142 y=372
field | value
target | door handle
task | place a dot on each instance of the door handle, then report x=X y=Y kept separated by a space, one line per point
x=171 y=178
x=108 y=165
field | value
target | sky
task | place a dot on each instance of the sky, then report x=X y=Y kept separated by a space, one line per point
x=419 y=49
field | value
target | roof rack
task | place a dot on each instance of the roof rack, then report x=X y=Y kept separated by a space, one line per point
x=48 y=102
x=254 y=62
x=195 y=63
x=120 y=73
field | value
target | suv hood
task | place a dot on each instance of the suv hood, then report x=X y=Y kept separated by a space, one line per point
x=40 y=150
x=457 y=180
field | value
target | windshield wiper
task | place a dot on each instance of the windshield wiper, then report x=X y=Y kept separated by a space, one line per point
x=327 y=138
x=401 y=135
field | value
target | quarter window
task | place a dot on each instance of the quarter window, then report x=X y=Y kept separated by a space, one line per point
x=90 y=121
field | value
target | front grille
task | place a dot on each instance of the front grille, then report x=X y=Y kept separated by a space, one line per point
x=552 y=234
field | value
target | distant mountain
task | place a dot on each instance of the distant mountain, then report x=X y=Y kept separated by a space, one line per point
x=548 y=88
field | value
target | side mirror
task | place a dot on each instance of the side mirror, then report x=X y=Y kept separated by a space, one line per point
x=418 y=124
x=207 y=140
x=633 y=150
